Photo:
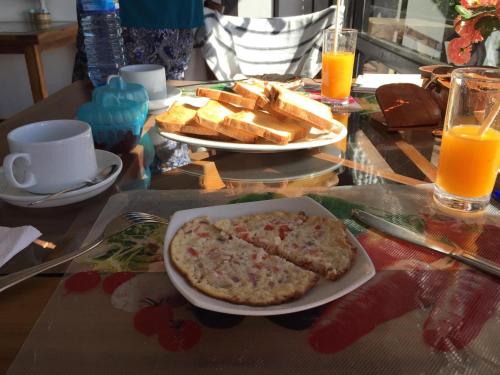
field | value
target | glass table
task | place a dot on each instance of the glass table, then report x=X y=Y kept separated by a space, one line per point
x=421 y=313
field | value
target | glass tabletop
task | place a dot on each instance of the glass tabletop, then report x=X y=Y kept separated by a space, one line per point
x=369 y=154
x=118 y=312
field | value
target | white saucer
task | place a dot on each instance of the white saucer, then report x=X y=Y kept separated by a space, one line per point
x=22 y=198
x=161 y=104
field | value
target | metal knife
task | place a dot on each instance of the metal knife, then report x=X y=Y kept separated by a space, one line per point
x=213 y=82
x=419 y=239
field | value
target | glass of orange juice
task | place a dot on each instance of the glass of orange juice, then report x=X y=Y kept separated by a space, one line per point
x=470 y=150
x=337 y=64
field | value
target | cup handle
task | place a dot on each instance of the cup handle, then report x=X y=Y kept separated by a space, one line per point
x=8 y=170
x=110 y=77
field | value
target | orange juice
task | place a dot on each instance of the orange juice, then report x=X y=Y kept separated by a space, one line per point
x=468 y=163
x=337 y=74
x=344 y=119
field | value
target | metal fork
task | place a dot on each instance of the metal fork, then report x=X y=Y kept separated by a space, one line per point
x=144 y=218
x=115 y=226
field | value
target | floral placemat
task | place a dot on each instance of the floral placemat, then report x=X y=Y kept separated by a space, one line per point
x=421 y=313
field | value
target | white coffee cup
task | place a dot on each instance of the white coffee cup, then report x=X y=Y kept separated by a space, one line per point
x=151 y=76
x=50 y=156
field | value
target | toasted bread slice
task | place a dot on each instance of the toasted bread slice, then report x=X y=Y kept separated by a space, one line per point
x=238 y=134
x=288 y=81
x=200 y=131
x=253 y=91
x=176 y=117
x=196 y=129
x=256 y=89
x=180 y=119
x=212 y=116
x=227 y=97
x=266 y=126
x=288 y=102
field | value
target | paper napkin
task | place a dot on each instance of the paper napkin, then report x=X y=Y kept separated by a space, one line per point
x=370 y=82
x=13 y=240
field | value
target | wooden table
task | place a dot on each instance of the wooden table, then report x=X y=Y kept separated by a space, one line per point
x=30 y=40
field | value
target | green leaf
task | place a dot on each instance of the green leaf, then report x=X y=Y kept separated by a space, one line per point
x=465 y=13
x=341 y=209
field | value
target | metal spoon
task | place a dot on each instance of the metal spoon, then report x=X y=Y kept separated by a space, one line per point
x=101 y=176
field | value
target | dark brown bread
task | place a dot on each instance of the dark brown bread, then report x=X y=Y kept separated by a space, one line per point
x=407 y=105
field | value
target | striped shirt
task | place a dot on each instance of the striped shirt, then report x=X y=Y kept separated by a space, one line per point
x=255 y=46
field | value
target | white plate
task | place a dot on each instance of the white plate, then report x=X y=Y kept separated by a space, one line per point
x=316 y=139
x=259 y=167
x=325 y=291
x=161 y=104
x=22 y=198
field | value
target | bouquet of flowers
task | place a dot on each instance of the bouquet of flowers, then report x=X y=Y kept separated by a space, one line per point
x=475 y=21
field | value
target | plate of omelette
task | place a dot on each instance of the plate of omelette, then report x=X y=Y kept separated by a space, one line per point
x=263 y=258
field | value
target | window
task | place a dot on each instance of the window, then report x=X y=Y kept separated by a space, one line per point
x=401 y=35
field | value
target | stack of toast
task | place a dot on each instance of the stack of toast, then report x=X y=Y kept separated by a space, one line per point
x=255 y=112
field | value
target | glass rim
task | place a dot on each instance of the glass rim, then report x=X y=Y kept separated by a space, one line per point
x=347 y=30
x=463 y=73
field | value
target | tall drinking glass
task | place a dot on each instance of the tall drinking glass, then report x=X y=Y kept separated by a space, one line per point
x=470 y=150
x=337 y=64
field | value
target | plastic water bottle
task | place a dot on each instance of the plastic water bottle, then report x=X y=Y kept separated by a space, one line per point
x=102 y=38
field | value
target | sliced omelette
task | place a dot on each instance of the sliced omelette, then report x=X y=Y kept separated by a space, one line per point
x=234 y=270
x=316 y=243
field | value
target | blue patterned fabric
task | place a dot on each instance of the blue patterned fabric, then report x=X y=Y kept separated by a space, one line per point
x=169 y=155
x=168 y=47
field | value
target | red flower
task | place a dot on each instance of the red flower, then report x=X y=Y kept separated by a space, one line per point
x=467 y=30
x=459 y=51
x=478 y=3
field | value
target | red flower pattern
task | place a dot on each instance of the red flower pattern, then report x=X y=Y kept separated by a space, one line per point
x=478 y=3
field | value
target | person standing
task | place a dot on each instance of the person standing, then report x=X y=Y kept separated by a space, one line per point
x=154 y=32
x=161 y=32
